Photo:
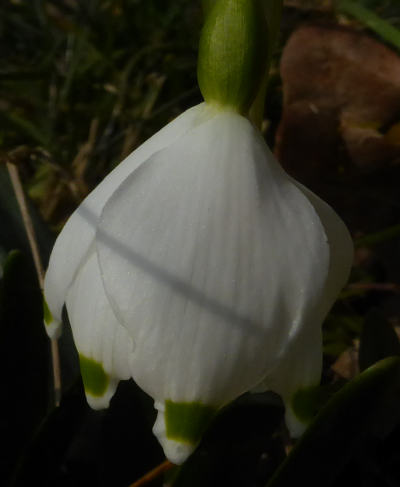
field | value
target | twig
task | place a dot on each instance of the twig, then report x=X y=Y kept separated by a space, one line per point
x=153 y=474
x=23 y=207
x=30 y=231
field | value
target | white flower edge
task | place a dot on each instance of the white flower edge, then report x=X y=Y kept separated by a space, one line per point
x=298 y=371
x=103 y=344
x=76 y=238
x=149 y=267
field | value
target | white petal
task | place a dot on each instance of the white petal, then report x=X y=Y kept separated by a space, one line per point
x=341 y=250
x=97 y=334
x=176 y=451
x=301 y=365
x=102 y=401
x=211 y=258
x=299 y=368
x=74 y=241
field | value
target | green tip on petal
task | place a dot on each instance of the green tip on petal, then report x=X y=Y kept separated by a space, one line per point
x=179 y=427
x=94 y=377
x=52 y=326
x=306 y=402
x=299 y=411
x=233 y=53
x=186 y=421
x=47 y=316
x=304 y=406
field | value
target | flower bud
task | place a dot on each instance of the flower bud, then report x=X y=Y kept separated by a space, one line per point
x=233 y=53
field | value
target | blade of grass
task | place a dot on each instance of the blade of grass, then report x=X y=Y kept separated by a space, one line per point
x=378 y=237
x=27 y=127
x=368 y=18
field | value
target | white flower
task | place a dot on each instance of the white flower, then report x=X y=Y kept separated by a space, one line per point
x=202 y=270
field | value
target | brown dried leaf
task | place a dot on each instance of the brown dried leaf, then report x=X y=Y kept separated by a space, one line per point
x=341 y=93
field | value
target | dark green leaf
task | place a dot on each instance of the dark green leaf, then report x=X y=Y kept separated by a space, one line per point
x=42 y=458
x=24 y=357
x=367 y=17
x=76 y=446
x=373 y=239
x=366 y=408
x=378 y=340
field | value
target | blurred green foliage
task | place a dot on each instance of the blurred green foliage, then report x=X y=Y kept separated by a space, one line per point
x=83 y=83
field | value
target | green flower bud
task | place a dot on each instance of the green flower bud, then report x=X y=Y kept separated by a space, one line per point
x=233 y=53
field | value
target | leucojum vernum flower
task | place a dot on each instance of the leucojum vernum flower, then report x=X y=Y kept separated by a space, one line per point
x=198 y=267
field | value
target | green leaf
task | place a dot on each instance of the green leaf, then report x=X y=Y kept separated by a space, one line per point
x=373 y=239
x=25 y=357
x=339 y=331
x=26 y=127
x=76 y=446
x=381 y=27
x=378 y=340
x=367 y=407
x=44 y=454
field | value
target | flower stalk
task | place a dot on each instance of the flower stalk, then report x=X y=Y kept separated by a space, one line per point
x=232 y=53
x=30 y=232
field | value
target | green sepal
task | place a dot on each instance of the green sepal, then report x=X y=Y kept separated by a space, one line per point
x=187 y=421
x=233 y=53
x=95 y=379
